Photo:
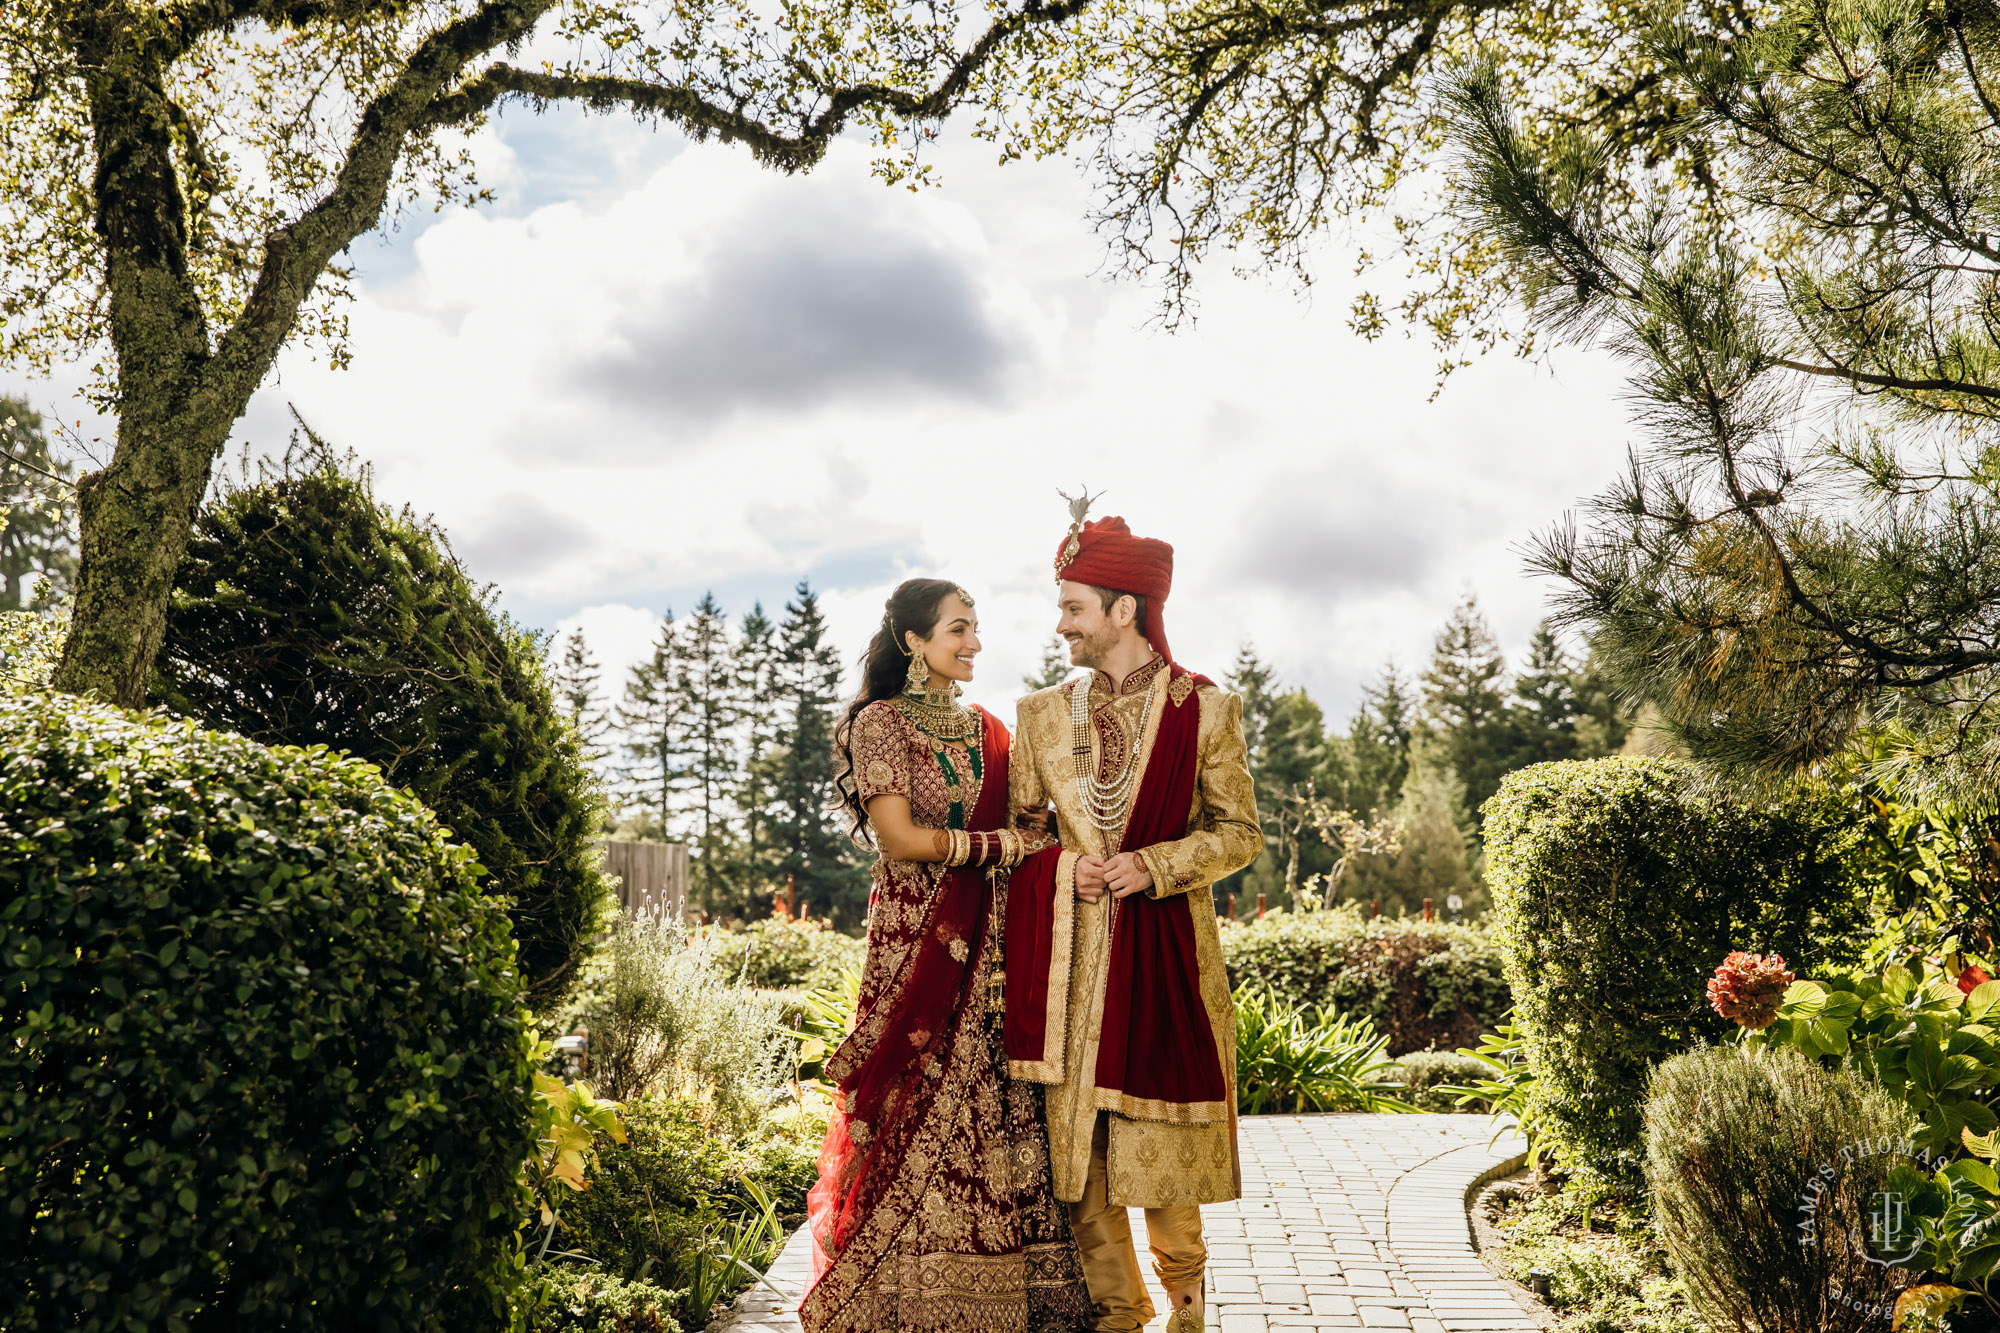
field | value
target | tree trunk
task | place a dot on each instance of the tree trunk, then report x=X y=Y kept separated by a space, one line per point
x=136 y=516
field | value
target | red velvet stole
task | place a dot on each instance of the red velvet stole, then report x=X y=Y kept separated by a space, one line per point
x=1032 y=921
x=1156 y=1044
x=890 y=1068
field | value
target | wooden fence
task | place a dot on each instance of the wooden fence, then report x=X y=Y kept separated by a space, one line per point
x=652 y=876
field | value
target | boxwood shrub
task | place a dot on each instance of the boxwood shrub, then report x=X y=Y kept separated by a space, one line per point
x=1428 y=985
x=1618 y=885
x=306 y=612
x=266 y=1065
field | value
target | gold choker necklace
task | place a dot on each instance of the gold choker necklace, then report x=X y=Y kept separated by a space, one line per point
x=938 y=713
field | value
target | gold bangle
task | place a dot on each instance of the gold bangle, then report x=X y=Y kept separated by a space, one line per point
x=961 y=848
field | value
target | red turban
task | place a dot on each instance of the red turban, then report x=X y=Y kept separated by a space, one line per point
x=1108 y=556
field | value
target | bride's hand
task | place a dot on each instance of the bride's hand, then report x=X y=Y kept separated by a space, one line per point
x=1042 y=821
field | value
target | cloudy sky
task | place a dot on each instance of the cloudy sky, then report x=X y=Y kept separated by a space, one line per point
x=653 y=369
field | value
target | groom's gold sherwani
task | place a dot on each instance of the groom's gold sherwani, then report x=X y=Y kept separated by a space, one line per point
x=1150 y=1162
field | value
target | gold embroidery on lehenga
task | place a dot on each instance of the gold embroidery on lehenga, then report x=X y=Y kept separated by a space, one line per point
x=968 y=1236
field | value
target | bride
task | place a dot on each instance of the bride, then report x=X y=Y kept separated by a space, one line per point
x=934 y=1211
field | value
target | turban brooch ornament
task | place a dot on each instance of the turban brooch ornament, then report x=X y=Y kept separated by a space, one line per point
x=1079 y=508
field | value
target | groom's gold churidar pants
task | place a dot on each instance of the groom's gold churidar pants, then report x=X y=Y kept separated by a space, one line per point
x=1110 y=1264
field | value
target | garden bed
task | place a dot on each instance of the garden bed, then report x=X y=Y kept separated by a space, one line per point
x=1606 y=1273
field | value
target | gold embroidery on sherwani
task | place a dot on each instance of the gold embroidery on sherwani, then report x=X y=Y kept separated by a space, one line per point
x=1152 y=1164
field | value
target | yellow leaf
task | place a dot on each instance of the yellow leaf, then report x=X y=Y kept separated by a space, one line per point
x=1926 y=1301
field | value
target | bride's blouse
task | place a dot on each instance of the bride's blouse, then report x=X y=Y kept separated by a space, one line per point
x=892 y=757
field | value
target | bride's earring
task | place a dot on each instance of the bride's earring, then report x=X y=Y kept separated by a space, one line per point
x=920 y=673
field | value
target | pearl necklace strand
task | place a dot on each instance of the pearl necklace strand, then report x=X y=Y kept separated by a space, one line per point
x=1104 y=802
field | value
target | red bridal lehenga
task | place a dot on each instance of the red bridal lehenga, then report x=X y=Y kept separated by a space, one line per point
x=934 y=1211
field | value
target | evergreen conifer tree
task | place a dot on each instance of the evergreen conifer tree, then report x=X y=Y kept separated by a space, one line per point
x=812 y=847
x=1797 y=566
x=1464 y=703
x=1254 y=682
x=37 y=508
x=1546 y=705
x=649 y=720
x=758 y=704
x=1438 y=853
x=573 y=675
x=1054 y=668
x=1378 y=742
x=705 y=685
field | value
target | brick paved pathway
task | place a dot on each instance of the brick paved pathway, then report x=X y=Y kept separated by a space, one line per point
x=1346 y=1221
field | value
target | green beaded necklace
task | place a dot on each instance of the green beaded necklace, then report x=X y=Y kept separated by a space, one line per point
x=955 y=812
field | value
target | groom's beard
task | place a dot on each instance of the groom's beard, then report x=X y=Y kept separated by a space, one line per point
x=1091 y=650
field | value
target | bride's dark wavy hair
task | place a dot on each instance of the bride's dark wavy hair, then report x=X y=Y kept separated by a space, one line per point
x=885 y=670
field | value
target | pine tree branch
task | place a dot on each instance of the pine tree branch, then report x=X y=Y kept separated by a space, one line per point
x=1900 y=383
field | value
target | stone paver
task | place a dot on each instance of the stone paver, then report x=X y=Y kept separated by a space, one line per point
x=1347 y=1221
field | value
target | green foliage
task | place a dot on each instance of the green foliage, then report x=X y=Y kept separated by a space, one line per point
x=37 y=510
x=810 y=843
x=266 y=1062
x=1914 y=1032
x=673 y=1197
x=1286 y=1061
x=1602 y=1279
x=1425 y=984
x=306 y=613
x=667 y=1017
x=1054 y=668
x=581 y=1300
x=1503 y=1081
x=779 y=954
x=30 y=645
x=1763 y=1168
x=1800 y=558
x=569 y=1121
x=1617 y=885
x=728 y=741
x=1432 y=1080
x=1436 y=852
x=1465 y=703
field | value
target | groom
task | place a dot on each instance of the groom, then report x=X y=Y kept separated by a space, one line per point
x=1122 y=1005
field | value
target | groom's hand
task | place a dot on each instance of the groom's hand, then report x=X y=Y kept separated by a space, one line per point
x=1090 y=883
x=1127 y=874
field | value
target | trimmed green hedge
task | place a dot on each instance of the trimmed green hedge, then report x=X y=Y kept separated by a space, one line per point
x=1618 y=885
x=1427 y=984
x=305 y=612
x=266 y=1065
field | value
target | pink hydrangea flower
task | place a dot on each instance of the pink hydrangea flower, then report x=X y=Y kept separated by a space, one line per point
x=1748 y=988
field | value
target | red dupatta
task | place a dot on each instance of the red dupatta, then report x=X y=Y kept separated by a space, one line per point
x=1156 y=1056
x=889 y=1069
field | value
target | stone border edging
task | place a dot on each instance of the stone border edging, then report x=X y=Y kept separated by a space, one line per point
x=1430 y=1236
